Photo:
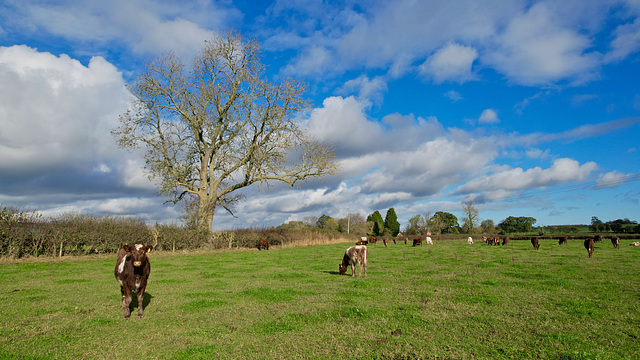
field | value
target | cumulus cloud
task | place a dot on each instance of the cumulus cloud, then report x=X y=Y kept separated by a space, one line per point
x=488 y=116
x=342 y=122
x=452 y=62
x=505 y=180
x=57 y=112
x=56 y=116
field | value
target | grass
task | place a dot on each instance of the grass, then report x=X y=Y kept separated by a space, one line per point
x=449 y=300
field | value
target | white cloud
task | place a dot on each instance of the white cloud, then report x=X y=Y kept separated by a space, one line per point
x=452 y=62
x=341 y=121
x=145 y=26
x=506 y=179
x=626 y=41
x=535 y=49
x=453 y=95
x=370 y=91
x=488 y=116
x=56 y=112
x=614 y=179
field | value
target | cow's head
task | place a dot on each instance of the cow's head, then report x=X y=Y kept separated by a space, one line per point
x=342 y=268
x=138 y=253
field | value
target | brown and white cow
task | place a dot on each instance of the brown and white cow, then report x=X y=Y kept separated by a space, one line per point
x=385 y=241
x=470 y=240
x=597 y=238
x=615 y=241
x=428 y=240
x=362 y=242
x=132 y=271
x=588 y=244
x=355 y=254
x=535 y=243
x=263 y=244
x=562 y=240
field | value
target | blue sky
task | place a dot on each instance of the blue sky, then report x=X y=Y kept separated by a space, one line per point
x=531 y=108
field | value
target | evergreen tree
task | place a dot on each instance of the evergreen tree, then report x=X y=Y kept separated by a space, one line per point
x=391 y=222
x=378 y=226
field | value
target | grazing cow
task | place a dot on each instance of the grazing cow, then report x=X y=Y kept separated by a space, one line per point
x=132 y=271
x=385 y=241
x=417 y=241
x=615 y=241
x=469 y=240
x=372 y=240
x=353 y=255
x=263 y=244
x=428 y=240
x=535 y=243
x=362 y=242
x=364 y=238
x=505 y=241
x=562 y=240
x=597 y=238
x=637 y=243
x=588 y=244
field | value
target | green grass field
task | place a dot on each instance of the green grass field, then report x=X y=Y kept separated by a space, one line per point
x=446 y=301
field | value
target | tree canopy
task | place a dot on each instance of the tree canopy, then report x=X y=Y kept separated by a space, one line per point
x=518 y=224
x=217 y=126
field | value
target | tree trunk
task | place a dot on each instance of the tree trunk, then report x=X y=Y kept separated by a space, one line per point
x=206 y=210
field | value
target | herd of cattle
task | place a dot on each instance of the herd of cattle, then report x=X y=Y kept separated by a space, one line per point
x=358 y=254
x=133 y=267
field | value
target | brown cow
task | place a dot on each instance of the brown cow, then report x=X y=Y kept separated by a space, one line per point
x=385 y=241
x=417 y=241
x=562 y=240
x=505 y=241
x=372 y=240
x=132 y=271
x=615 y=241
x=353 y=255
x=588 y=244
x=263 y=244
x=535 y=243
x=597 y=238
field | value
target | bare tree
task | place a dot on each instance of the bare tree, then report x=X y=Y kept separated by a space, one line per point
x=470 y=220
x=217 y=126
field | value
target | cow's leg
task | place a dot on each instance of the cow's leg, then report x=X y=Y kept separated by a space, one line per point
x=353 y=269
x=140 y=302
x=126 y=301
x=364 y=264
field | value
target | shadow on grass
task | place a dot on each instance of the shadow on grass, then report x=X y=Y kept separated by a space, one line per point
x=331 y=272
x=145 y=301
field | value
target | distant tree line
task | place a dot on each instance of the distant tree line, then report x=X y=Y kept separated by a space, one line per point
x=353 y=223
x=616 y=226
